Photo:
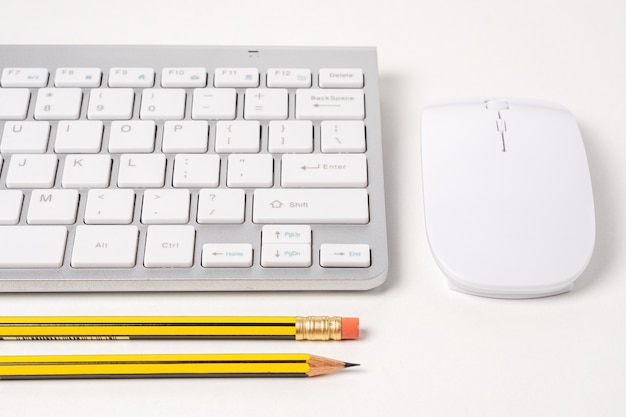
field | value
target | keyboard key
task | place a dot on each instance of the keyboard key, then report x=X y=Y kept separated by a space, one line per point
x=236 y=77
x=348 y=206
x=111 y=104
x=343 y=136
x=345 y=255
x=132 y=136
x=330 y=104
x=25 y=137
x=324 y=170
x=169 y=246
x=110 y=206
x=238 y=136
x=295 y=255
x=341 y=78
x=266 y=104
x=196 y=170
x=290 y=136
x=14 y=103
x=32 y=246
x=221 y=206
x=286 y=233
x=77 y=77
x=226 y=255
x=78 y=136
x=214 y=103
x=246 y=170
x=166 y=206
x=183 y=77
x=58 y=103
x=52 y=207
x=10 y=206
x=289 y=77
x=141 y=170
x=31 y=171
x=85 y=171
x=131 y=77
x=157 y=104
x=185 y=136
x=24 y=77
x=105 y=247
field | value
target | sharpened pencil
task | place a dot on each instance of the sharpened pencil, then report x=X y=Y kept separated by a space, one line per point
x=167 y=366
x=178 y=327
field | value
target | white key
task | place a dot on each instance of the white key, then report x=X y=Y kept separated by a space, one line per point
x=289 y=77
x=287 y=233
x=341 y=78
x=10 y=206
x=245 y=170
x=24 y=77
x=141 y=170
x=110 y=206
x=343 y=136
x=265 y=103
x=330 y=104
x=79 y=136
x=111 y=103
x=185 y=136
x=31 y=171
x=214 y=103
x=227 y=255
x=348 y=206
x=345 y=255
x=238 y=136
x=194 y=170
x=132 y=136
x=105 y=247
x=14 y=103
x=324 y=170
x=295 y=255
x=32 y=246
x=52 y=207
x=159 y=104
x=77 y=77
x=25 y=137
x=58 y=103
x=169 y=206
x=221 y=206
x=131 y=77
x=236 y=77
x=290 y=136
x=82 y=171
x=183 y=77
x=169 y=246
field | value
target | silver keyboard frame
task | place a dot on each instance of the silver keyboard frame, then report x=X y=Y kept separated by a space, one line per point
x=198 y=278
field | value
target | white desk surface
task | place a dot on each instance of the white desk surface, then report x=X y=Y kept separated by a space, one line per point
x=425 y=350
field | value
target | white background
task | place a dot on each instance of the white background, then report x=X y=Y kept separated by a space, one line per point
x=425 y=350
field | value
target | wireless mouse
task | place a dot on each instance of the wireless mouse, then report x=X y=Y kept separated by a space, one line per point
x=508 y=200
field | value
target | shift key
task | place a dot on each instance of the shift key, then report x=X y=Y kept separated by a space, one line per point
x=336 y=206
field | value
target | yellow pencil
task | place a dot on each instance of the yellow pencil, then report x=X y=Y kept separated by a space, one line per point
x=178 y=327
x=167 y=366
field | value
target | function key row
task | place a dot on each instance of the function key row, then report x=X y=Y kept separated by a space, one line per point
x=183 y=77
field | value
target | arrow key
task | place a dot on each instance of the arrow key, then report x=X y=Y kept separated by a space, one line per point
x=345 y=255
x=216 y=255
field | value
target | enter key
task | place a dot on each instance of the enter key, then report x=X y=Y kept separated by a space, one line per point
x=328 y=170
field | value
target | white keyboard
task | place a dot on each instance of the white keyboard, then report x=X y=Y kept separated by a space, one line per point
x=150 y=168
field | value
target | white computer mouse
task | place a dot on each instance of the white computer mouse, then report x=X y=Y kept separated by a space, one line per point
x=507 y=196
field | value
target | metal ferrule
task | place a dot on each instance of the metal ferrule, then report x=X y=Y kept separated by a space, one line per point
x=318 y=328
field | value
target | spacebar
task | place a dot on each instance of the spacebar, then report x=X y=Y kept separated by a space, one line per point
x=32 y=246
x=311 y=206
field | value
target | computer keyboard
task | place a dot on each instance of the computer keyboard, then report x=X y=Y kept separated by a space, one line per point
x=189 y=168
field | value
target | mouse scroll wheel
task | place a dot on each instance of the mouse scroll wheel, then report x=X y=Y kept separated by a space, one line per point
x=497 y=104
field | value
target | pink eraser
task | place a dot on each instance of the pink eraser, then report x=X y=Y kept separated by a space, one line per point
x=349 y=327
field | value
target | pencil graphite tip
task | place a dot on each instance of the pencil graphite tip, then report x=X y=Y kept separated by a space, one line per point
x=348 y=364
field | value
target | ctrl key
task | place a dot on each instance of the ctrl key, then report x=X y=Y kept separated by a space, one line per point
x=32 y=246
